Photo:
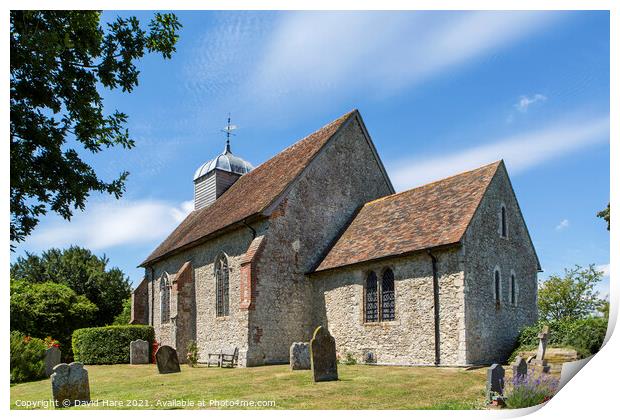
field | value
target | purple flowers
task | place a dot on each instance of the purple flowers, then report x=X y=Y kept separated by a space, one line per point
x=531 y=389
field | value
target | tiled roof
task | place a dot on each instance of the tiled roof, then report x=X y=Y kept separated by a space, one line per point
x=429 y=216
x=251 y=194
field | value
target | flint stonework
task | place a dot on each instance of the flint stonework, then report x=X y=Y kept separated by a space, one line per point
x=70 y=385
x=300 y=356
x=323 y=356
x=52 y=358
x=167 y=360
x=139 y=352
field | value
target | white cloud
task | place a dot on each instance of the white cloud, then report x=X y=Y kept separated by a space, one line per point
x=562 y=225
x=604 y=268
x=525 y=101
x=520 y=152
x=112 y=223
x=311 y=54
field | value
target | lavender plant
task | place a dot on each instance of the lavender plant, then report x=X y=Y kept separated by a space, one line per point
x=529 y=390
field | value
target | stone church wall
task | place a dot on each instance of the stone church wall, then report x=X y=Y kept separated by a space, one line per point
x=211 y=333
x=318 y=205
x=491 y=332
x=410 y=338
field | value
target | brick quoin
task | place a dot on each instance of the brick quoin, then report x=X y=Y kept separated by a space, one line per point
x=249 y=273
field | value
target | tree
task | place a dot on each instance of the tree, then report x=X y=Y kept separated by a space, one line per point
x=570 y=297
x=604 y=214
x=125 y=316
x=83 y=272
x=49 y=309
x=58 y=58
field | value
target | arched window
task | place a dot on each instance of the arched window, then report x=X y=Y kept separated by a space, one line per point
x=387 y=296
x=164 y=298
x=372 y=301
x=221 y=286
x=513 y=289
x=503 y=222
x=497 y=289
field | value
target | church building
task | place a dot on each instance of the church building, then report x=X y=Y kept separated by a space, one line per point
x=443 y=274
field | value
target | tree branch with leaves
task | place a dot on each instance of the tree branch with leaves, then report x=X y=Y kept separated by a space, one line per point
x=58 y=59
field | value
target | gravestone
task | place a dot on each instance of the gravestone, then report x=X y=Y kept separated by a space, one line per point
x=323 y=356
x=70 y=385
x=167 y=360
x=52 y=358
x=300 y=356
x=539 y=363
x=495 y=380
x=542 y=343
x=519 y=369
x=138 y=352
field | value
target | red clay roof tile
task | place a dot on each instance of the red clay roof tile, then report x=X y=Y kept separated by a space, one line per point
x=429 y=216
x=250 y=195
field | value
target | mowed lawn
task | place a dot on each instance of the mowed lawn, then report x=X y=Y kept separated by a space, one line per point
x=359 y=387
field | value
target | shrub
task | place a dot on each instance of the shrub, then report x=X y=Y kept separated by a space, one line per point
x=108 y=345
x=349 y=360
x=192 y=354
x=49 y=309
x=584 y=335
x=530 y=390
x=27 y=357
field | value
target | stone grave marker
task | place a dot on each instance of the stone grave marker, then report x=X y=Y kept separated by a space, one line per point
x=167 y=360
x=495 y=380
x=70 y=385
x=52 y=358
x=300 y=356
x=323 y=356
x=139 y=352
x=539 y=361
x=542 y=343
x=519 y=368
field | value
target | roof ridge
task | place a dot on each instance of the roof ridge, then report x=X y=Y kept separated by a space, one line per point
x=385 y=197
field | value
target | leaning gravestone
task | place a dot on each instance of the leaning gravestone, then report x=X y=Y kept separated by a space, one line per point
x=519 y=369
x=167 y=360
x=539 y=363
x=323 y=356
x=495 y=380
x=138 y=352
x=52 y=358
x=70 y=385
x=300 y=356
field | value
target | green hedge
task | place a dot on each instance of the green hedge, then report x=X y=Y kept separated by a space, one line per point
x=27 y=358
x=584 y=335
x=108 y=345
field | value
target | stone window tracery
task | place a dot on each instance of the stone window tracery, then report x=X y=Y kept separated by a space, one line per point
x=387 y=296
x=164 y=298
x=222 y=286
x=379 y=298
x=372 y=298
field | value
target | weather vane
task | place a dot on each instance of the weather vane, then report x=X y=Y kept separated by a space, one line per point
x=229 y=132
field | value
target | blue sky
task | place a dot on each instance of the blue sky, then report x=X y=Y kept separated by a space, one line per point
x=440 y=92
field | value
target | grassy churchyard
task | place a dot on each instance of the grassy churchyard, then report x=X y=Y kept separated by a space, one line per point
x=359 y=387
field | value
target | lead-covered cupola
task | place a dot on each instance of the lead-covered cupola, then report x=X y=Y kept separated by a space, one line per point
x=215 y=176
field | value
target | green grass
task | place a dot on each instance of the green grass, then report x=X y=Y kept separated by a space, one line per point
x=359 y=387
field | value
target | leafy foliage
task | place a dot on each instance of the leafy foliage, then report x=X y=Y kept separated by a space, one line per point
x=584 y=335
x=604 y=214
x=58 y=59
x=192 y=354
x=125 y=316
x=108 y=345
x=572 y=296
x=27 y=358
x=530 y=390
x=84 y=273
x=49 y=309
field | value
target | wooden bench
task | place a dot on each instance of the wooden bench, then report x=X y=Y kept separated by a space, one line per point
x=230 y=359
